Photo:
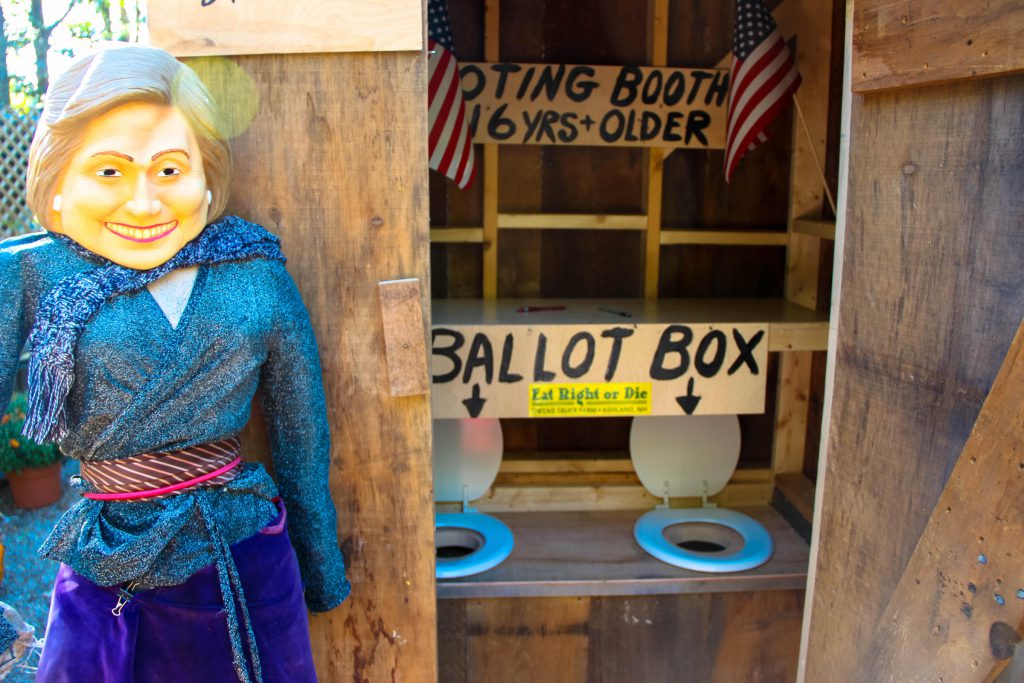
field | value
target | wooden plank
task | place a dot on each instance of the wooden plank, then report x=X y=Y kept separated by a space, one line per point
x=657 y=55
x=514 y=466
x=798 y=337
x=760 y=638
x=576 y=553
x=561 y=311
x=492 y=51
x=187 y=28
x=405 y=344
x=813 y=54
x=726 y=237
x=386 y=628
x=456 y=235
x=917 y=42
x=548 y=496
x=932 y=295
x=799 y=491
x=791 y=405
x=490 y=234
x=565 y=221
x=451 y=641
x=966 y=570
x=825 y=229
x=654 y=179
x=527 y=640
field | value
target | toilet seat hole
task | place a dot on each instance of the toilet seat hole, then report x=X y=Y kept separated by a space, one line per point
x=702 y=537
x=455 y=542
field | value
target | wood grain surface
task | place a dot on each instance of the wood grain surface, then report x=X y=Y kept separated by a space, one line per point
x=931 y=297
x=919 y=42
x=333 y=164
x=968 y=567
x=719 y=638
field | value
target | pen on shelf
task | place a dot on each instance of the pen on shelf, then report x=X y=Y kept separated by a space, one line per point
x=535 y=309
x=621 y=314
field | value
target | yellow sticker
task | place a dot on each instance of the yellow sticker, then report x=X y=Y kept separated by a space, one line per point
x=573 y=400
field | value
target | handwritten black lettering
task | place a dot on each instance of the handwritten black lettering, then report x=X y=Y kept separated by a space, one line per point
x=583 y=367
x=616 y=334
x=746 y=351
x=705 y=367
x=696 y=122
x=504 y=376
x=449 y=352
x=539 y=373
x=503 y=70
x=669 y=344
x=480 y=355
x=472 y=80
x=577 y=90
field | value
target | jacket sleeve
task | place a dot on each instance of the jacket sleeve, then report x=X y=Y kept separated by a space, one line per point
x=15 y=314
x=292 y=398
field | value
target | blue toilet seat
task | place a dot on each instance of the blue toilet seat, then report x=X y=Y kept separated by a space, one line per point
x=497 y=544
x=757 y=548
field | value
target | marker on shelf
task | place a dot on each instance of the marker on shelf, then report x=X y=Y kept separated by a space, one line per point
x=621 y=314
x=537 y=309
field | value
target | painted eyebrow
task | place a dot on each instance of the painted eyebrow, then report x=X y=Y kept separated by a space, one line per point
x=169 y=151
x=113 y=154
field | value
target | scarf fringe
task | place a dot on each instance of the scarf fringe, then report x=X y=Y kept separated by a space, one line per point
x=47 y=388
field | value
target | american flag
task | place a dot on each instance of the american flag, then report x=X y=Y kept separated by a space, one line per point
x=451 y=147
x=763 y=79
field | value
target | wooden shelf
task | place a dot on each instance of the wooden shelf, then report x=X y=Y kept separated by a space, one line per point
x=791 y=327
x=593 y=553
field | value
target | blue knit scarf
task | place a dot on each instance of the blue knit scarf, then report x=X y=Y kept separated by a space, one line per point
x=66 y=309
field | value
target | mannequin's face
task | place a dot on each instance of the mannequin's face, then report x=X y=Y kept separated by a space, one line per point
x=134 y=191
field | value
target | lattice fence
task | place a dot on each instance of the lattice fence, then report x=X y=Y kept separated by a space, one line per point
x=15 y=136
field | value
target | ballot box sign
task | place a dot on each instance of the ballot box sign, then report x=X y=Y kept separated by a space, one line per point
x=598 y=370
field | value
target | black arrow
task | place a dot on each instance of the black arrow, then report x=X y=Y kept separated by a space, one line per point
x=689 y=402
x=474 y=404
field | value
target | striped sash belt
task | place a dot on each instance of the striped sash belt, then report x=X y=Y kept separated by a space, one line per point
x=158 y=475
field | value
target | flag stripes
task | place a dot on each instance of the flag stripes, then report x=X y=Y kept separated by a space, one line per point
x=763 y=79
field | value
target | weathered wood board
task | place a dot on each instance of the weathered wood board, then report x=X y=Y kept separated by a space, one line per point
x=967 y=570
x=916 y=42
x=720 y=638
x=580 y=104
x=190 y=28
x=932 y=294
x=319 y=166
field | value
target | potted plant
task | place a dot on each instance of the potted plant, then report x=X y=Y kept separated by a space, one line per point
x=33 y=469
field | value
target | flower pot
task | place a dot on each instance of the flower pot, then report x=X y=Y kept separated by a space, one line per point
x=36 y=487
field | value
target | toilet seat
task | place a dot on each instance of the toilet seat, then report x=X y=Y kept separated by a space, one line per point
x=497 y=543
x=691 y=456
x=466 y=458
x=756 y=549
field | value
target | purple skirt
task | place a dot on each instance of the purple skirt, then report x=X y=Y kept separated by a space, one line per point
x=180 y=633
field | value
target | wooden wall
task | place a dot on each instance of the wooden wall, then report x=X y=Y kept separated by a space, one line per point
x=932 y=293
x=720 y=638
x=334 y=164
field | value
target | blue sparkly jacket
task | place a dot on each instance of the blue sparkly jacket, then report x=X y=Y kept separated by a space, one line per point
x=142 y=386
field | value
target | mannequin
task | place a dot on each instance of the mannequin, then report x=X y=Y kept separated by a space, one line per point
x=153 y=323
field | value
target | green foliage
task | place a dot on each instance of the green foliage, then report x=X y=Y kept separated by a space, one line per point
x=16 y=451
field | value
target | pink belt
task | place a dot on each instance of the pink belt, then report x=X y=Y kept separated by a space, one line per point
x=157 y=475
